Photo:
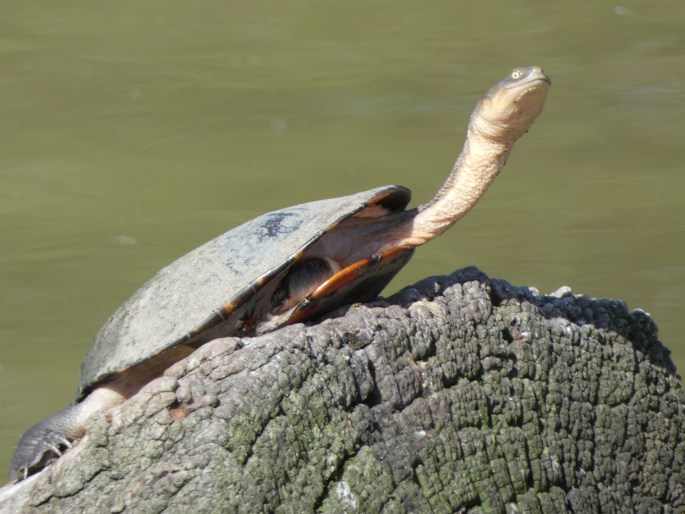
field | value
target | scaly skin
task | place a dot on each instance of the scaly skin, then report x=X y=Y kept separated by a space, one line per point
x=47 y=440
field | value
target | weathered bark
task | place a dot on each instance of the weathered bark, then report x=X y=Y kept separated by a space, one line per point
x=459 y=393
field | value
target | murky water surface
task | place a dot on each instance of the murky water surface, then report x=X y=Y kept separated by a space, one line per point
x=132 y=132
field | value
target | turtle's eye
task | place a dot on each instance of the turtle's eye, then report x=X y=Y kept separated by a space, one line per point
x=516 y=74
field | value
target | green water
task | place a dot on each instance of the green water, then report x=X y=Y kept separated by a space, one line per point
x=132 y=132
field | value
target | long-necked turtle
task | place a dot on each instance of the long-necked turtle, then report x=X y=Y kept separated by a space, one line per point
x=281 y=268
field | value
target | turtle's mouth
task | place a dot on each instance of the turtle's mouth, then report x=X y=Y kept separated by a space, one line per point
x=533 y=91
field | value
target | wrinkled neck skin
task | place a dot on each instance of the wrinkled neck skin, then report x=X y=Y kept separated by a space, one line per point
x=480 y=161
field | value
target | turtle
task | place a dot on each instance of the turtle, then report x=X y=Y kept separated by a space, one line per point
x=281 y=268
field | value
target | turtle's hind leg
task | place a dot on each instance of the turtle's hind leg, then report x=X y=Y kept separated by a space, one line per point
x=45 y=442
x=49 y=439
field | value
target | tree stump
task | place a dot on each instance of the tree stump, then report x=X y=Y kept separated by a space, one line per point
x=460 y=393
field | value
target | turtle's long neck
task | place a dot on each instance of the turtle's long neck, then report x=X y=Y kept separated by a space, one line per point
x=480 y=161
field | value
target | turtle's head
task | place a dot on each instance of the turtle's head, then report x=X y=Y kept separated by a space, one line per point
x=507 y=111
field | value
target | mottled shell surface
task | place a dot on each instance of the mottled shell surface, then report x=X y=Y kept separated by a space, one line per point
x=181 y=297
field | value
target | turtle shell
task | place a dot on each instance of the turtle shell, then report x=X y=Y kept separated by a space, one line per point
x=210 y=291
